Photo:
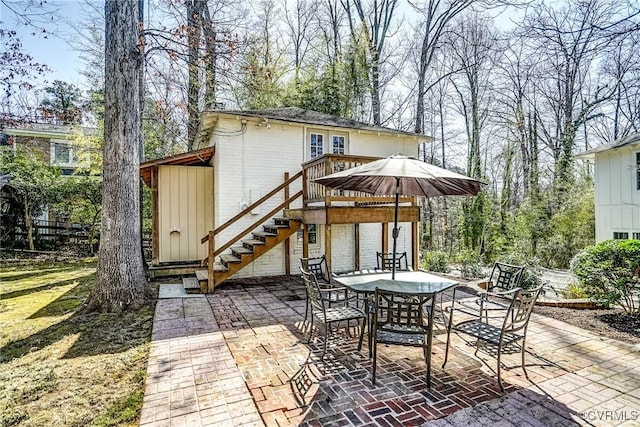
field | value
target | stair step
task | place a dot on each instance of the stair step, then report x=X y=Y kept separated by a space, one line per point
x=240 y=250
x=281 y=221
x=273 y=228
x=202 y=275
x=229 y=258
x=262 y=235
x=250 y=243
x=191 y=285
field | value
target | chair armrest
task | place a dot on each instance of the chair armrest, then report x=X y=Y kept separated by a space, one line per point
x=503 y=293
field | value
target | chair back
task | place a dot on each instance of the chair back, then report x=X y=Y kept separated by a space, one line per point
x=385 y=261
x=313 y=290
x=520 y=309
x=505 y=277
x=318 y=267
x=400 y=312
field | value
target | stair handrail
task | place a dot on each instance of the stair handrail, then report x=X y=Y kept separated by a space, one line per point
x=252 y=206
x=253 y=226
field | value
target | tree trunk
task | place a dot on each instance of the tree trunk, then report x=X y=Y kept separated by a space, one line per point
x=120 y=281
x=28 y=224
x=193 y=90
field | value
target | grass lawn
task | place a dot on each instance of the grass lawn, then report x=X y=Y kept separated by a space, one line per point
x=60 y=366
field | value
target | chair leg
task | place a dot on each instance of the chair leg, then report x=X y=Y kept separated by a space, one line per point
x=306 y=310
x=446 y=348
x=326 y=338
x=526 y=375
x=361 y=334
x=310 y=329
x=498 y=368
x=375 y=354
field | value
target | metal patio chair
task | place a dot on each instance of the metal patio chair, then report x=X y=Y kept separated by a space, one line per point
x=399 y=319
x=504 y=278
x=385 y=261
x=321 y=309
x=318 y=267
x=513 y=328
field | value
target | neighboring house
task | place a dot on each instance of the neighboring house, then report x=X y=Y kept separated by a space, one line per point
x=617 y=188
x=53 y=141
x=237 y=180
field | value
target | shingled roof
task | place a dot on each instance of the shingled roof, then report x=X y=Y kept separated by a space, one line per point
x=625 y=141
x=300 y=115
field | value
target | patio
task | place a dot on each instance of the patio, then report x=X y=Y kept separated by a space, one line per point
x=236 y=358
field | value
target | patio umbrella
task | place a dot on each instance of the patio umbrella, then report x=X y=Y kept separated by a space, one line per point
x=401 y=175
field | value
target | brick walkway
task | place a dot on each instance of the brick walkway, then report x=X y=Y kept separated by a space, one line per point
x=236 y=358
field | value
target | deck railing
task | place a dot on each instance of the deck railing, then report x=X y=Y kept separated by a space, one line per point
x=331 y=163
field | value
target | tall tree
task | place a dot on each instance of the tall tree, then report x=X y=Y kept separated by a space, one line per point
x=374 y=23
x=569 y=38
x=62 y=102
x=120 y=281
x=436 y=16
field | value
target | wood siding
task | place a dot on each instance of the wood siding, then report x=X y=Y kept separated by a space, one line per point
x=185 y=211
x=617 y=198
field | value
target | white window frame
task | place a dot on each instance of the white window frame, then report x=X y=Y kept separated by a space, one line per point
x=620 y=235
x=344 y=144
x=317 y=145
x=59 y=142
x=300 y=236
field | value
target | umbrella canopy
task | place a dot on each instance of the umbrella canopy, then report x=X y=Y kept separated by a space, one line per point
x=417 y=178
x=402 y=175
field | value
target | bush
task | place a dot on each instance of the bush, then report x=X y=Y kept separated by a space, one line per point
x=610 y=272
x=436 y=261
x=469 y=265
x=574 y=291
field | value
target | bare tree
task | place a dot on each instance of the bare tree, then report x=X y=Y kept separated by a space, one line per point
x=375 y=24
x=436 y=16
x=120 y=281
x=569 y=39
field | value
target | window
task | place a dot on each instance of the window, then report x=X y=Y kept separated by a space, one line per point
x=317 y=145
x=61 y=154
x=617 y=235
x=338 y=144
x=636 y=236
x=313 y=234
x=637 y=171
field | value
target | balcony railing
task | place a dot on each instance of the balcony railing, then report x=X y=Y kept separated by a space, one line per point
x=328 y=164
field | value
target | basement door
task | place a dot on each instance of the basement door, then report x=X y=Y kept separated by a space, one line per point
x=185 y=212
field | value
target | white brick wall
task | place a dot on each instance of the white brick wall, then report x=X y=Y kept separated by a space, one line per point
x=250 y=165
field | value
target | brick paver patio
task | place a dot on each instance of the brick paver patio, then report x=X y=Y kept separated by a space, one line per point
x=238 y=358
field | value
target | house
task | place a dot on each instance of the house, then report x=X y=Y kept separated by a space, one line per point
x=244 y=202
x=617 y=188
x=55 y=144
x=53 y=141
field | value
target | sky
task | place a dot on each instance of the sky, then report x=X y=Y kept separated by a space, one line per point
x=54 y=51
x=64 y=62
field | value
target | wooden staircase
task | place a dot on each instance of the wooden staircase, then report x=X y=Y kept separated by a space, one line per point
x=249 y=244
x=250 y=249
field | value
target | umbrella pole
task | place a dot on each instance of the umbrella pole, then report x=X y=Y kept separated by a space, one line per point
x=395 y=230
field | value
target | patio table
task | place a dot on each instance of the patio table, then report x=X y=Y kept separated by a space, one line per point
x=410 y=282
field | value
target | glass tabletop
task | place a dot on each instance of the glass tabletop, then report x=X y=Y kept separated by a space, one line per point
x=413 y=282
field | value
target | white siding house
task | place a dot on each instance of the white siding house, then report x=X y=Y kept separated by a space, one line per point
x=617 y=188
x=252 y=151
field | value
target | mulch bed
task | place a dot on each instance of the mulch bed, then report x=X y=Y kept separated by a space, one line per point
x=611 y=323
